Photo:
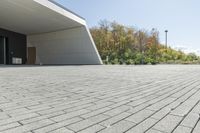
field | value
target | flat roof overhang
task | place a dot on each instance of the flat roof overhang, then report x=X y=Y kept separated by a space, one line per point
x=36 y=16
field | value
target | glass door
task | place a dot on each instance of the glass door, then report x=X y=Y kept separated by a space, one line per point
x=2 y=50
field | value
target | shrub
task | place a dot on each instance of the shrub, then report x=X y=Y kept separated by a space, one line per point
x=129 y=62
x=115 y=61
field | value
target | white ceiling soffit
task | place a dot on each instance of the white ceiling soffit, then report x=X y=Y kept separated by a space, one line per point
x=36 y=16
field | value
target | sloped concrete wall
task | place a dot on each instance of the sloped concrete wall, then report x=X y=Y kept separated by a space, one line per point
x=72 y=46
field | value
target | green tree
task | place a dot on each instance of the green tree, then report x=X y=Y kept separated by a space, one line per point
x=119 y=44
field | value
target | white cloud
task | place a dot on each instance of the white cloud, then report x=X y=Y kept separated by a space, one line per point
x=187 y=49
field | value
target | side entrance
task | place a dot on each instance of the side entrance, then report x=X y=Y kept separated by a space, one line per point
x=31 y=55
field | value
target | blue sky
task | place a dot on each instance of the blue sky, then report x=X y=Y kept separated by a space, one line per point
x=180 y=17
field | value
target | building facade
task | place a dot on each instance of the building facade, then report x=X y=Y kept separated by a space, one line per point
x=44 y=32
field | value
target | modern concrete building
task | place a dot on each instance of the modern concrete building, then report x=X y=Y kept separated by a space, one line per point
x=44 y=32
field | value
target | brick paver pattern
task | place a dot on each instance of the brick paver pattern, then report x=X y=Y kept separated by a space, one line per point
x=102 y=99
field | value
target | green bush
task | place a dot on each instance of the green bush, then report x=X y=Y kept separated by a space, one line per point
x=115 y=61
x=129 y=62
x=149 y=60
x=138 y=59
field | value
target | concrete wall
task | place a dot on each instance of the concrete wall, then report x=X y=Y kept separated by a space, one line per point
x=72 y=46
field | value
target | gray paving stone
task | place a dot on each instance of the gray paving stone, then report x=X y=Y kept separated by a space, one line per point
x=154 y=131
x=29 y=127
x=161 y=104
x=3 y=116
x=53 y=110
x=96 y=112
x=87 y=123
x=69 y=115
x=100 y=98
x=140 y=116
x=115 y=119
x=168 y=124
x=117 y=110
x=138 y=108
x=119 y=127
x=184 y=108
x=144 y=126
x=182 y=129
x=190 y=120
x=196 y=109
x=99 y=106
x=161 y=113
x=93 y=129
x=57 y=125
x=119 y=104
x=18 y=118
x=197 y=128
x=79 y=107
x=38 y=118
x=62 y=130
x=8 y=126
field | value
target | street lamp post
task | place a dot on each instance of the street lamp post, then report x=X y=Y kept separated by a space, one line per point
x=166 y=31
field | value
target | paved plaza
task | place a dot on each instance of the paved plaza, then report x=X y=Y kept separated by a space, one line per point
x=102 y=99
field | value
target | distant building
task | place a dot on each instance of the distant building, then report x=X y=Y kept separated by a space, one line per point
x=44 y=32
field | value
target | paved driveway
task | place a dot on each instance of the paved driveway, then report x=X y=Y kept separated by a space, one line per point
x=104 y=99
